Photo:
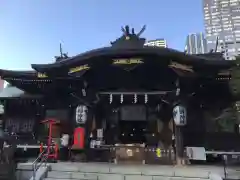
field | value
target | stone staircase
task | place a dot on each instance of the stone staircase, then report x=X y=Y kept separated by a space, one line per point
x=53 y=175
x=98 y=171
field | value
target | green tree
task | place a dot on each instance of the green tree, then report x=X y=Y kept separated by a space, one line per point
x=221 y=120
x=225 y=119
x=234 y=83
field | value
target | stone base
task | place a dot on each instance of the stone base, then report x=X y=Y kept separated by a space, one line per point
x=182 y=162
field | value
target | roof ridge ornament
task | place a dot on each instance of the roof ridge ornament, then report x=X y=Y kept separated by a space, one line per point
x=62 y=56
x=129 y=39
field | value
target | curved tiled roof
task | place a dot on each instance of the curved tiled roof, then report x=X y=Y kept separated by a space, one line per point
x=16 y=74
x=14 y=92
x=207 y=59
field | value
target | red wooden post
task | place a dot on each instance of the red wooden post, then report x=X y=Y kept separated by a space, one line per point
x=41 y=147
x=50 y=123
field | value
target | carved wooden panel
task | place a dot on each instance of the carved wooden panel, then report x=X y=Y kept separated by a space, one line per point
x=19 y=125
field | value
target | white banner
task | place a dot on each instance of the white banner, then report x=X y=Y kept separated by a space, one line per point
x=196 y=153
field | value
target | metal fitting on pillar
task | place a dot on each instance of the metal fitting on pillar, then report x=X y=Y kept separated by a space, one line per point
x=121 y=98
x=110 y=98
x=145 y=98
x=135 y=98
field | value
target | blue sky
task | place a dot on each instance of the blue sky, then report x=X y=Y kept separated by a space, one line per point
x=30 y=30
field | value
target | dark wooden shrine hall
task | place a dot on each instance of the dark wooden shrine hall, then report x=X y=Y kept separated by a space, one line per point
x=127 y=74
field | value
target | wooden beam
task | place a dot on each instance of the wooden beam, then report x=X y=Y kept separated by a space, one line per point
x=136 y=92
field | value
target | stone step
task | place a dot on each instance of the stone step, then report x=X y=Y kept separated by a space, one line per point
x=88 y=168
x=78 y=176
x=57 y=179
x=71 y=175
x=129 y=170
x=59 y=175
x=103 y=171
x=110 y=177
x=61 y=179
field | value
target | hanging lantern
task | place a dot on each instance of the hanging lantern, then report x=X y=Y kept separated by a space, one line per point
x=84 y=114
x=1 y=109
x=84 y=93
x=180 y=115
x=81 y=114
x=178 y=91
x=79 y=136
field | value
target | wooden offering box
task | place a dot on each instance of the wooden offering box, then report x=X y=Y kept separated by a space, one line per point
x=129 y=153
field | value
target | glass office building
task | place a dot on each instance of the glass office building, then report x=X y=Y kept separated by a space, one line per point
x=222 y=20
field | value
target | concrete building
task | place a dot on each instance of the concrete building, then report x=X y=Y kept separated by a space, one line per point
x=222 y=20
x=157 y=42
x=196 y=44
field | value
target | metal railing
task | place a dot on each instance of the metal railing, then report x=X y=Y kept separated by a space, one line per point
x=37 y=163
x=224 y=155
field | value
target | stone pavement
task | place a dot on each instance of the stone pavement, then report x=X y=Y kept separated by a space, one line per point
x=105 y=171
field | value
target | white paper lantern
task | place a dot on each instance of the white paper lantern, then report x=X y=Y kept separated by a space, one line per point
x=180 y=115
x=81 y=114
x=1 y=109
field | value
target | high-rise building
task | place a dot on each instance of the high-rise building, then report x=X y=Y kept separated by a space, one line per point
x=222 y=20
x=157 y=42
x=196 y=44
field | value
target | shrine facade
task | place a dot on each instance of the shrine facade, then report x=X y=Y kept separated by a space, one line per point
x=125 y=95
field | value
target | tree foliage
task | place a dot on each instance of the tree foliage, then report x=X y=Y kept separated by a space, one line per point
x=223 y=120
x=234 y=83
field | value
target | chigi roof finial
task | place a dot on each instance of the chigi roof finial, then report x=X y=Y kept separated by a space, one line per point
x=130 y=37
x=62 y=55
x=126 y=31
x=141 y=31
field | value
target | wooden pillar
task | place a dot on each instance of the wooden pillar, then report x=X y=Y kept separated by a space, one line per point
x=98 y=122
x=179 y=145
x=180 y=120
x=1 y=126
x=2 y=118
x=88 y=127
